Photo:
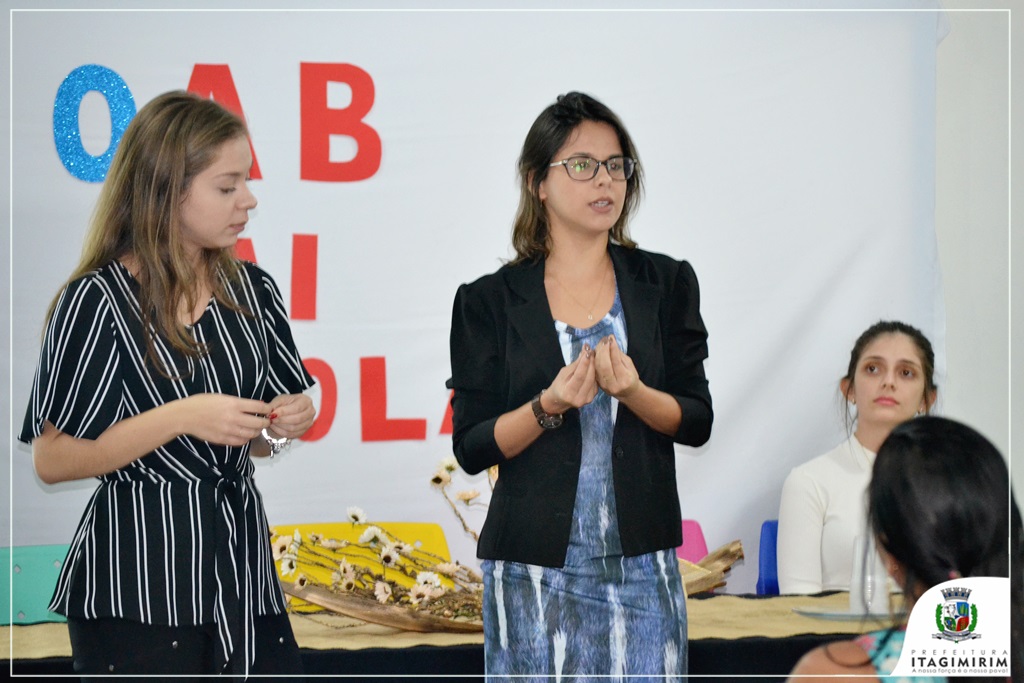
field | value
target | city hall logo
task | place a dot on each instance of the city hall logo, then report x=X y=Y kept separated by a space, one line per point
x=956 y=616
x=936 y=644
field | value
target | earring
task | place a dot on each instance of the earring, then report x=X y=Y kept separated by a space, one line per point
x=894 y=570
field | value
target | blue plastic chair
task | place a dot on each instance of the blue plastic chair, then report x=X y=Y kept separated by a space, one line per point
x=767 y=560
x=31 y=571
x=694 y=547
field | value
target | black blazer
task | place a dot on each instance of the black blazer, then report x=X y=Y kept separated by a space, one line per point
x=504 y=349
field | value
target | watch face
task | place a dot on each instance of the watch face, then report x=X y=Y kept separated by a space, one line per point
x=550 y=421
x=545 y=420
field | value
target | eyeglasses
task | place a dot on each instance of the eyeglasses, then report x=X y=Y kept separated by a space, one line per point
x=586 y=168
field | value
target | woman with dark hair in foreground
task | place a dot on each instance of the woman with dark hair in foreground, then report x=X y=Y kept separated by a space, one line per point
x=940 y=507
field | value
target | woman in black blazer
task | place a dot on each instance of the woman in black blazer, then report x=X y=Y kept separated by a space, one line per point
x=575 y=368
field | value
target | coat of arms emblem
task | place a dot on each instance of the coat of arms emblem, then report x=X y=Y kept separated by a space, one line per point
x=956 y=616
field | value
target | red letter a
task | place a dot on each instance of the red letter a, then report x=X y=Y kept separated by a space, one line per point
x=214 y=81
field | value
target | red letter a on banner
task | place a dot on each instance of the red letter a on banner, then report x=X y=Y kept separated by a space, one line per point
x=373 y=397
x=446 y=421
x=320 y=122
x=215 y=81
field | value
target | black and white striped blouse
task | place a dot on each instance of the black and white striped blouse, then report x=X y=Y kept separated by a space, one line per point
x=179 y=537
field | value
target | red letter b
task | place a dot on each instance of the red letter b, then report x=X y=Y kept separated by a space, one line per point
x=319 y=122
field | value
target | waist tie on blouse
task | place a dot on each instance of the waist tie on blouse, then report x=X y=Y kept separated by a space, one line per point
x=233 y=611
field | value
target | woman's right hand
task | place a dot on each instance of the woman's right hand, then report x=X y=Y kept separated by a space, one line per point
x=216 y=418
x=574 y=386
x=223 y=419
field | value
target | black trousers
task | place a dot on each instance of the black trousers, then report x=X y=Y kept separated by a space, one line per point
x=118 y=648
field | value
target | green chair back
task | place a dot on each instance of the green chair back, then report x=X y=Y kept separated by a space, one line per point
x=30 y=572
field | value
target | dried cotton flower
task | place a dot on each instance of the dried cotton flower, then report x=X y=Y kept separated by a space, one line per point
x=447 y=568
x=280 y=547
x=372 y=535
x=296 y=542
x=428 y=579
x=356 y=515
x=419 y=593
x=467 y=496
x=388 y=556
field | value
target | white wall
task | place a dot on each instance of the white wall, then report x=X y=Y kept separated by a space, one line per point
x=973 y=195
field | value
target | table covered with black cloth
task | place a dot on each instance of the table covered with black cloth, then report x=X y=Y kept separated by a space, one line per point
x=730 y=635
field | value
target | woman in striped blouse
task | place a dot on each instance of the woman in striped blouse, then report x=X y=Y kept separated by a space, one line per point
x=166 y=363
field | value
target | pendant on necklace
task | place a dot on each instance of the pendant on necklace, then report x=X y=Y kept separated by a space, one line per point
x=590 y=316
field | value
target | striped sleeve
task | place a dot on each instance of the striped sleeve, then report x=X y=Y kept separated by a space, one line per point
x=77 y=385
x=287 y=373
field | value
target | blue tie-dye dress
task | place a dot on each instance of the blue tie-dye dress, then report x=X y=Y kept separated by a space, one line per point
x=601 y=614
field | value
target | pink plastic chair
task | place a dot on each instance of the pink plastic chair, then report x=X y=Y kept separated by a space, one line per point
x=694 y=547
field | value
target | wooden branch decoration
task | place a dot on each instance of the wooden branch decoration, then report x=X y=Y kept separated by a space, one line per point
x=387 y=615
x=709 y=573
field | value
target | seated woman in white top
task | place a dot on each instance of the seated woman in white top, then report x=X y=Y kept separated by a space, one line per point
x=889 y=380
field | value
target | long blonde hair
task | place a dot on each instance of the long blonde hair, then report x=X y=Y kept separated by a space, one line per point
x=172 y=139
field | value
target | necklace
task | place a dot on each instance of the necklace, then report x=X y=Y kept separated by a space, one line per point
x=590 y=309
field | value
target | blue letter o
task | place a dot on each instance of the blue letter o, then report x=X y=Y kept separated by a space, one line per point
x=66 y=132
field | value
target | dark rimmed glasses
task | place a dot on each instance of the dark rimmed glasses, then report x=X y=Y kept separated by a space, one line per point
x=586 y=168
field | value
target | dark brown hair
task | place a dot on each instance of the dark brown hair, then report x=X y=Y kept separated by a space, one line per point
x=547 y=135
x=940 y=504
x=883 y=327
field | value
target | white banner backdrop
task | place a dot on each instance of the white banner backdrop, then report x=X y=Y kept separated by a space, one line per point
x=790 y=159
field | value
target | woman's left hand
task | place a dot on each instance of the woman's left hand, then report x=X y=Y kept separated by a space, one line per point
x=291 y=415
x=616 y=374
